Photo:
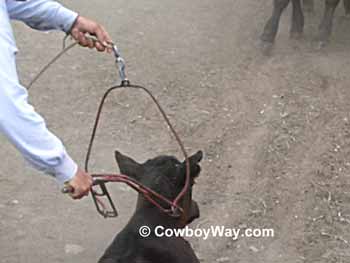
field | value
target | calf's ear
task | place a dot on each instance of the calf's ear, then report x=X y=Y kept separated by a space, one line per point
x=128 y=166
x=195 y=158
x=194 y=161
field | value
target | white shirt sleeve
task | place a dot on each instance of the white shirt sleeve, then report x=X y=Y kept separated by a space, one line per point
x=42 y=14
x=20 y=123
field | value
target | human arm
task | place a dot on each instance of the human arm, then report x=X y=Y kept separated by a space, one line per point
x=26 y=129
x=50 y=15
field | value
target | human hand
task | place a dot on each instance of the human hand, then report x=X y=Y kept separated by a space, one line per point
x=83 y=26
x=80 y=185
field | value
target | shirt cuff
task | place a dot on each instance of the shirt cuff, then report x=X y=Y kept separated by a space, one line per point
x=66 y=170
x=65 y=18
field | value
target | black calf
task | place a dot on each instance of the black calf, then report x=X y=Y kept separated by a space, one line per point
x=165 y=175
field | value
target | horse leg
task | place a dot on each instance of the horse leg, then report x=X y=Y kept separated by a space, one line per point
x=297 y=20
x=347 y=7
x=271 y=27
x=309 y=5
x=325 y=29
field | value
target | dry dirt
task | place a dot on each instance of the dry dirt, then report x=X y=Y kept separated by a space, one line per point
x=275 y=130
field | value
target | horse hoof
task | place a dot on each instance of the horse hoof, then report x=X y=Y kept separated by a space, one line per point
x=265 y=47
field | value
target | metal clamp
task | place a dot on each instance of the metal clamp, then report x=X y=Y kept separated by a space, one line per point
x=97 y=196
x=119 y=60
x=111 y=211
x=121 y=66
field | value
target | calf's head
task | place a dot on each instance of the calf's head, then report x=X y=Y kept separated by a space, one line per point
x=167 y=176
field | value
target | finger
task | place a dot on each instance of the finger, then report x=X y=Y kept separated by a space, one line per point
x=102 y=36
x=86 y=193
x=90 y=43
x=77 y=195
x=82 y=40
x=100 y=47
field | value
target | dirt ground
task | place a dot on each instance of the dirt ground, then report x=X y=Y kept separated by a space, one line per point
x=275 y=130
